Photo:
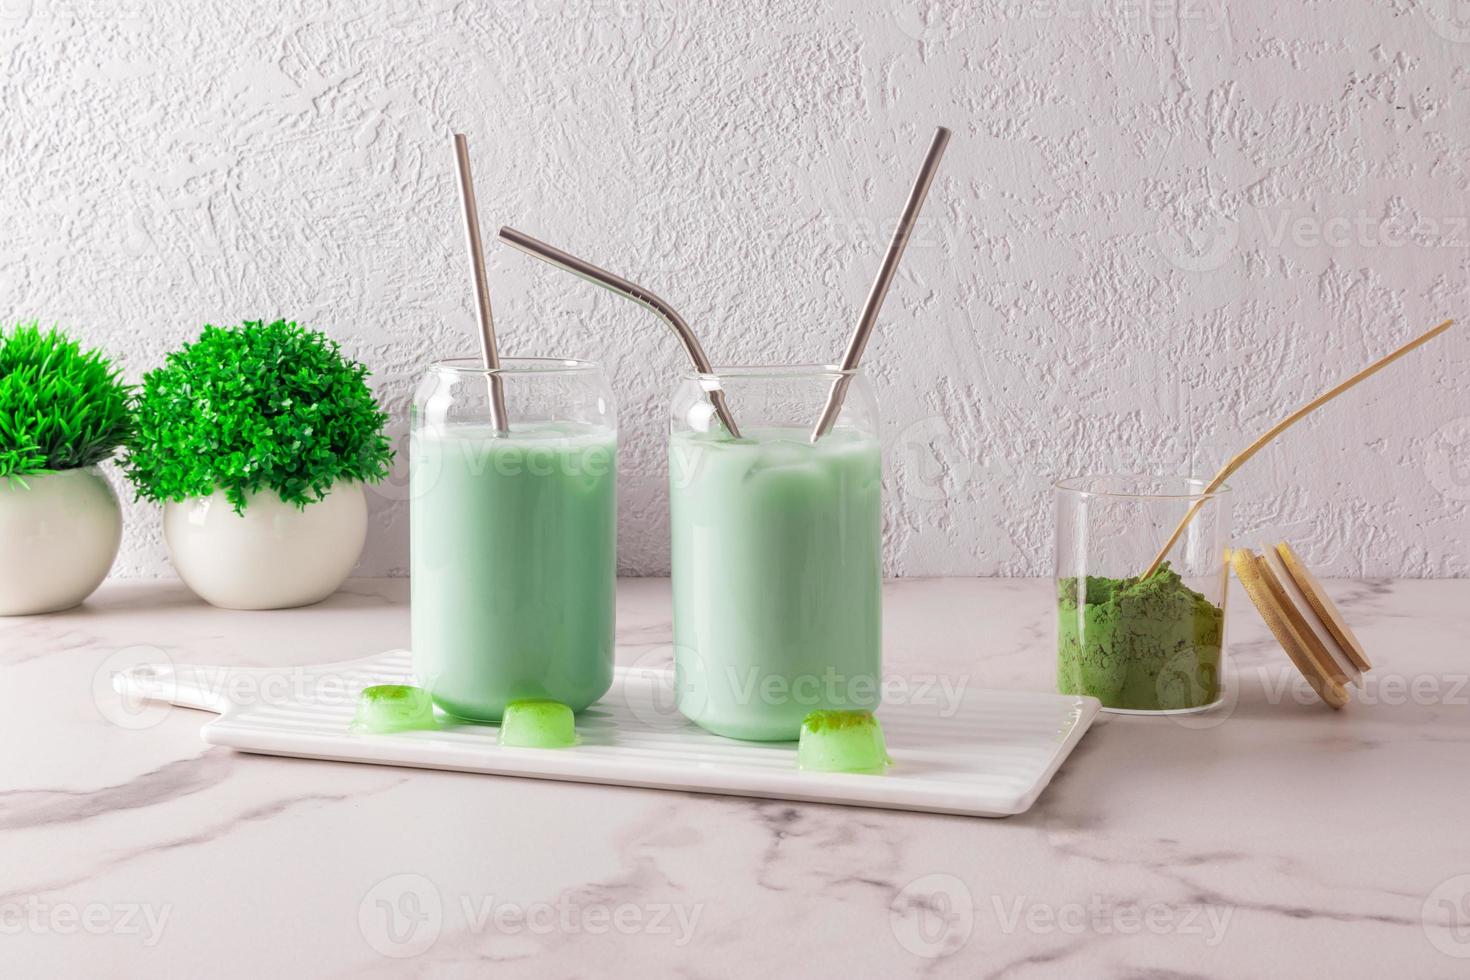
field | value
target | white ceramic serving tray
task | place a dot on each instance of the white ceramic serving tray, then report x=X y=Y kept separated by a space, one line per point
x=991 y=757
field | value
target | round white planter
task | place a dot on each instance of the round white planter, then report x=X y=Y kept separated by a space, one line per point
x=58 y=537
x=273 y=556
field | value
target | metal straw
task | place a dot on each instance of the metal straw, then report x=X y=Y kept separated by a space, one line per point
x=643 y=297
x=489 y=356
x=879 y=292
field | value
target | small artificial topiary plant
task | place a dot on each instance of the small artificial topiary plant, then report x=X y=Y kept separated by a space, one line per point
x=261 y=406
x=61 y=407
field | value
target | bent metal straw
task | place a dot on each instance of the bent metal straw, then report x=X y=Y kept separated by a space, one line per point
x=643 y=297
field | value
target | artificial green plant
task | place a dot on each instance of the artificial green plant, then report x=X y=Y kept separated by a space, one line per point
x=61 y=407
x=257 y=407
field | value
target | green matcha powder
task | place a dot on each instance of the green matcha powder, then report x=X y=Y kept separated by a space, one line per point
x=1145 y=645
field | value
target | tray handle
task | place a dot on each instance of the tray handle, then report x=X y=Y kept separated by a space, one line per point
x=186 y=687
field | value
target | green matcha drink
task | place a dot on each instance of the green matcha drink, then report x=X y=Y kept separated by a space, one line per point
x=776 y=575
x=1135 y=644
x=513 y=550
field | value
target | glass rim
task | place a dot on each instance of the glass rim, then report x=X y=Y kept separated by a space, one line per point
x=517 y=365
x=773 y=372
x=1072 y=485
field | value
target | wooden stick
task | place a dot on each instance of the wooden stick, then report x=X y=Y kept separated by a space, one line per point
x=1281 y=427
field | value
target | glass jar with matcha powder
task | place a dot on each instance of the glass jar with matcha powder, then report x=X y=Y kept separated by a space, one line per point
x=1141 y=645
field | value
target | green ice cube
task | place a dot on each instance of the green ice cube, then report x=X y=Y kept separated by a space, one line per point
x=842 y=741
x=538 y=724
x=385 y=708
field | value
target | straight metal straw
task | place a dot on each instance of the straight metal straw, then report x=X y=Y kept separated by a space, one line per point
x=879 y=292
x=489 y=356
x=643 y=297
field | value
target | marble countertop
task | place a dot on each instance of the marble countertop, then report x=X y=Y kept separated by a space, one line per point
x=1271 y=838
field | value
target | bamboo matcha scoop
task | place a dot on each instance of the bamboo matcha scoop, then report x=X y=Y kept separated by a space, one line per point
x=1282 y=426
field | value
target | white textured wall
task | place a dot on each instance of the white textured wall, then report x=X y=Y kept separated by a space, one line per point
x=1161 y=223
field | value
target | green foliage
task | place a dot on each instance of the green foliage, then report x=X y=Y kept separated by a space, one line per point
x=60 y=407
x=256 y=407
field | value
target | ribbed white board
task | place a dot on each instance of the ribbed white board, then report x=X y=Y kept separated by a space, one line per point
x=990 y=754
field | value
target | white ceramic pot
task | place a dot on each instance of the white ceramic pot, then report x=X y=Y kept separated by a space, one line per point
x=274 y=556
x=58 y=538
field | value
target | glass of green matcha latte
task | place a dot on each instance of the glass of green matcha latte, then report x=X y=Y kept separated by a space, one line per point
x=1141 y=645
x=777 y=550
x=513 y=535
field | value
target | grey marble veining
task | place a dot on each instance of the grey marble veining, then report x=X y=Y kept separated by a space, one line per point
x=1271 y=838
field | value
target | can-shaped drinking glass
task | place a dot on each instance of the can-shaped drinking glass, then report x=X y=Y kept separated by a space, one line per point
x=513 y=535
x=777 y=549
x=1141 y=645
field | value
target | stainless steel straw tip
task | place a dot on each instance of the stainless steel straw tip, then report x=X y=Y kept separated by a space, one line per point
x=879 y=290
x=489 y=353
